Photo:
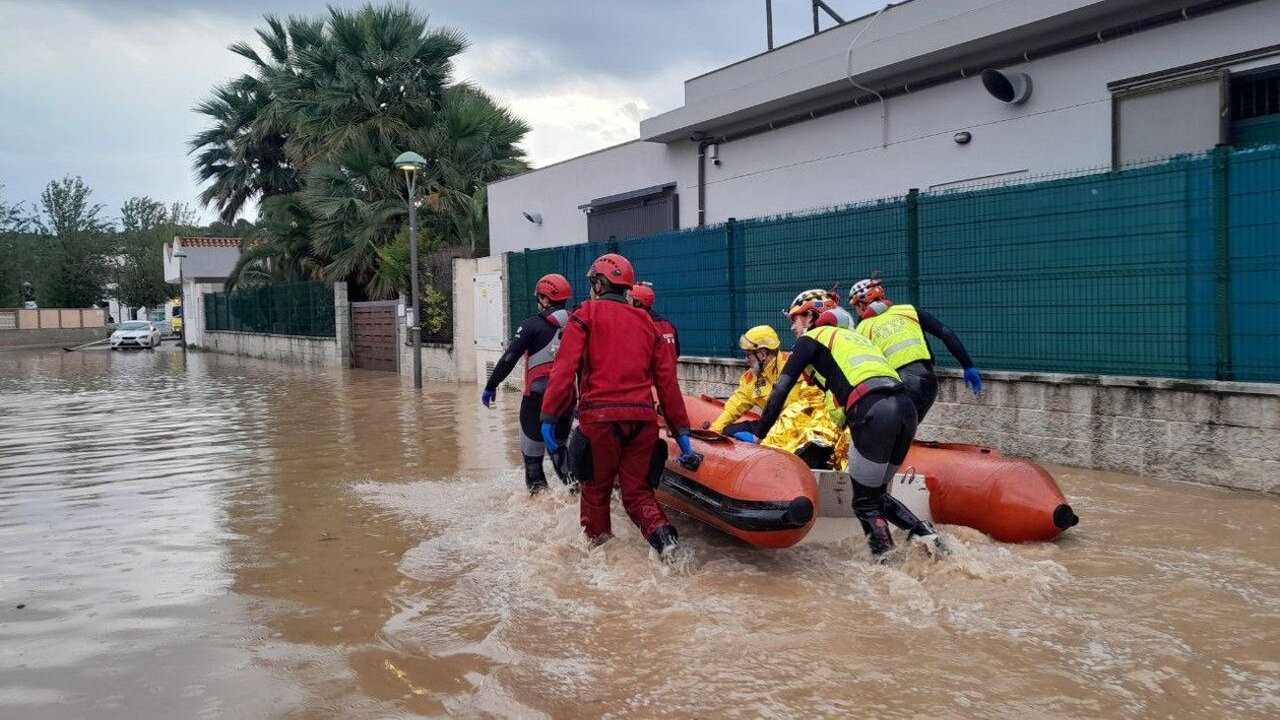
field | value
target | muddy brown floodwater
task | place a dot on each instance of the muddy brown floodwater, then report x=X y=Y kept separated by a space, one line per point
x=241 y=539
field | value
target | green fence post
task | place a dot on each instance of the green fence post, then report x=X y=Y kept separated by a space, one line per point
x=731 y=256
x=1222 y=261
x=913 y=245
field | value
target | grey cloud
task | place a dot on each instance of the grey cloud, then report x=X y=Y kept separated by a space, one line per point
x=125 y=128
x=622 y=38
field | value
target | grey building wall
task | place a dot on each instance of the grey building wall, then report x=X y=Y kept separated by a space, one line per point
x=844 y=157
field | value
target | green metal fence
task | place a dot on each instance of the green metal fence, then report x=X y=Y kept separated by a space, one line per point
x=1163 y=270
x=297 y=309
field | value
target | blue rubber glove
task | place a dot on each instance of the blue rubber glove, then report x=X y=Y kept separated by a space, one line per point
x=686 y=448
x=549 y=437
x=746 y=437
x=487 y=397
x=973 y=380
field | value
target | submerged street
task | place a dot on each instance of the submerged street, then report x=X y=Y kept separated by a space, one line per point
x=209 y=536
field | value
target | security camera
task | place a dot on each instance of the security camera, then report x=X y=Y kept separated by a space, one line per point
x=533 y=217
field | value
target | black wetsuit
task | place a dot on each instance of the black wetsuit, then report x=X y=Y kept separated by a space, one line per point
x=533 y=336
x=882 y=423
x=919 y=376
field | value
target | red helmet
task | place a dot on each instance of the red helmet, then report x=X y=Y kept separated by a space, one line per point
x=554 y=287
x=865 y=292
x=614 y=268
x=642 y=295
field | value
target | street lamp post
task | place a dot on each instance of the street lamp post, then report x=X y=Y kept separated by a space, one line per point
x=181 y=255
x=411 y=163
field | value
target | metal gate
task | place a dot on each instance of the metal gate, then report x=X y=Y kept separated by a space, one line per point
x=373 y=335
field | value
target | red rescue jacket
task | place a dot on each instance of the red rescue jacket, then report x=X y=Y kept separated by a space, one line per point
x=668 y=333
x=617 y=355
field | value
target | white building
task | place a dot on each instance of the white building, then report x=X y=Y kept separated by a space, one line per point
x=205 y=269
x=898 y=100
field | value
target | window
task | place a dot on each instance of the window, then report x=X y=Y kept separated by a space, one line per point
x=633 y=214
x=1255 y=108
x=1174 y=117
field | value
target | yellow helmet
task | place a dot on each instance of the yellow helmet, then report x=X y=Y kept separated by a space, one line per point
x=760 y=337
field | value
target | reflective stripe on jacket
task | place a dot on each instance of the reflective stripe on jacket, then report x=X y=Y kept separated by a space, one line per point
x=856 y=357
x=898 y=334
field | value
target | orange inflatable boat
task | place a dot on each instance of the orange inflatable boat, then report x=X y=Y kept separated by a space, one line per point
x=762 y=496
x=757 y=494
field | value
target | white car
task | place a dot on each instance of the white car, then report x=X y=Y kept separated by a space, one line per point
x=136 y=333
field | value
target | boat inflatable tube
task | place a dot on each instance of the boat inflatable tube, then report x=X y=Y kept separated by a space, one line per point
x=975 y=486
x=764 y=497
x=972 y=485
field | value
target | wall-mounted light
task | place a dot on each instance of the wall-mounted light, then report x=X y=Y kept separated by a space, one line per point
x=533 y=217
x=713 y=152
x=962 y=138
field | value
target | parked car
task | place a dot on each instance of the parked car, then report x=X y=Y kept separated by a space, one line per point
x=135 y=333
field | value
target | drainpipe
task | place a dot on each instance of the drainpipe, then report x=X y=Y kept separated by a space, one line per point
x=703 y=142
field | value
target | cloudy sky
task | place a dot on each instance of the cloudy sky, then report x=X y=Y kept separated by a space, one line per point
x=104 y=88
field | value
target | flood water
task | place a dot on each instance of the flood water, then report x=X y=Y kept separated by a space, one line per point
x=222 y=537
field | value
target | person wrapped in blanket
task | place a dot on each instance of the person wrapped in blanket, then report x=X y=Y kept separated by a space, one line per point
x=805 y=426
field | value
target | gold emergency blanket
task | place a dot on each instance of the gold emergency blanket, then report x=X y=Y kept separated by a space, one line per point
x=800 y=423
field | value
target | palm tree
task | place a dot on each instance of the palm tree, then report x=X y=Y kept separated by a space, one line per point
x=279 y=248
x=241 y=156
x=326 y=108
x=377 y=76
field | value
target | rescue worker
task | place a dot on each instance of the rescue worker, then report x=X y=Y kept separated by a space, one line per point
x=642 y=296
x=877 y=409
x=616 y=356
x=807 y=432
x=898 y=330
x=536 y=340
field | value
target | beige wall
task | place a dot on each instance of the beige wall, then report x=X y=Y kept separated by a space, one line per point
x=294 y=350
x=53 y=319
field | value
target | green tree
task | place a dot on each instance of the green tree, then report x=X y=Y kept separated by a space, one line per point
x=145 y=226
x=329 y=103
x=81 y=247
x=279 y=248
x=17 y=220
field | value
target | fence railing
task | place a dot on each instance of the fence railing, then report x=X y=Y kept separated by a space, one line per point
x=1162 y=270
x=298 y=309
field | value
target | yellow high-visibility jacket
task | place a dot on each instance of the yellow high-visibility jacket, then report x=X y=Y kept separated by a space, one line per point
x=752 y=395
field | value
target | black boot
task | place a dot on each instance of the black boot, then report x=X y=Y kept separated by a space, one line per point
x=867 y=507
x=534 y=478
x=664 y=541
x=917 y=529
x=878 y=537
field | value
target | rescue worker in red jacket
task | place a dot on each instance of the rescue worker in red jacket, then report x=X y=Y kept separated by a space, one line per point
x=899 y=331
x=878 y=411
x=536 y=340
x=642 y=296
x=616 y=355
